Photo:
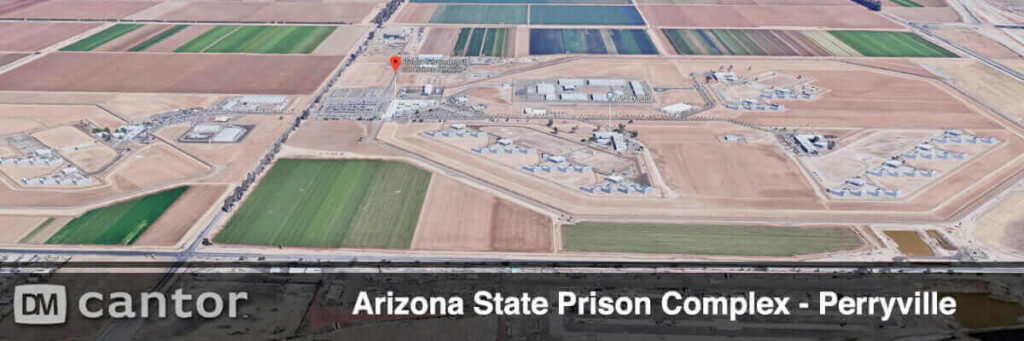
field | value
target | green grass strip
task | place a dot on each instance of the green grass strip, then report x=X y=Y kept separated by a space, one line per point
x=907 y=3
x=499 y=45
x=236 y=41
x=488 y=49
x=677 y=38
x=119 y=223
x=158 y=38
x=200 y=43
x=103 y=37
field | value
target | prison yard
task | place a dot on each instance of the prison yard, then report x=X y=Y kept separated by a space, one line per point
x=331 y=204
x=276 y=39
x=118 y=224
x=731 y=240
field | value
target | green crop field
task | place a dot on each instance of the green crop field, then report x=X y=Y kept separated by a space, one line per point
x=258 y=39
x=118 y=224
x=158 y=38
x=584 y=15
x=906 y=3
x=481 y=42
x=318 y=203
x=732 y=240
x=479 y=14
x=103 y=37
x=890 y=44
x=200 y=43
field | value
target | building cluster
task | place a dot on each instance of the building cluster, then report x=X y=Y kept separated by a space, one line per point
x=66 y=176
x=456 y=130
x=128 y=132
x=39 y=157
x=617 y=184
x=813 y=144
x=754 y=104
x=617 y=141
x=556 y=163
x=586 y=90
x=257 y=104
x=214 y=133
x=408 y=106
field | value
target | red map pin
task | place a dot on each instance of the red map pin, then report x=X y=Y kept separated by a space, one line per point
x=396 y=61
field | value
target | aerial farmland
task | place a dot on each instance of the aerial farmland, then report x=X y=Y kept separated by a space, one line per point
x=517 y=129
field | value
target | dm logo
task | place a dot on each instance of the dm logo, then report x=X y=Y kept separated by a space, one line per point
x=40 y=304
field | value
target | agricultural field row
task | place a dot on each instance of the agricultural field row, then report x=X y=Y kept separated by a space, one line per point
x=590 y=41
x=481 y=41
x=730 y=240
x=906 y=3
x=801 y=43
x=219 y=39
x=118 y=224
x=326 y=203
x=536 y=15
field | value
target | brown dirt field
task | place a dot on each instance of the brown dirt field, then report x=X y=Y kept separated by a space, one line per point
x=177 y=73
x=178 y=39
x=516 y=228
x=8 y=151
x=440 y=40
x=341 y=41
x=924 y=14
x=308 y=11
x=910 y=243
x=978 y=43
x=892 y=64
x=80 y=9
x=16 y=118
x=182 y=215
x=131 y=106
x=34 y=36
x=695 y=162
x=154 y=165
x=366 y=73
x=336 y=136
x=764 y=16
x=136 y=37
x=455 y=217
x=78 y=147
x=411 y=13
x=1003 y=225
x=234 y=161
x=7 y=58
x=17 y=226
x=988 y=85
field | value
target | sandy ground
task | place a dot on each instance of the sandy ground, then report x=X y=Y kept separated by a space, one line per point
x=355 y=11
x=978 y=43
x=131 y=106
x=991 y=87
x=7 y=58
x=342 y=40
x=411 y=13
x=131 y=39
x=459 y=217
x=178 y=39
x=176 y=73
x=764 y=16
x=79 y=9
x=1003 y=226
x=153 y=165
x=15 y=118
x=440 y=40
x=34 y=36
x=900 y=65
x=182 y=215
x=924 y=14
x=366 y=73
x=336 y=136
x=16 y=227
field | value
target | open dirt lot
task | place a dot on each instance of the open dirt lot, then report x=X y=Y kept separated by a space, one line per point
x=924 y=14
x=978 y=43
x=366 y=73
x=459 y=217
x=342 y=40
x=764 y=16
x=68 y=107
x=411 y=13
x=176 y=73
x=440 y=40
x=16 y=227
x=34 y=36
x=15 y=118
x=7 y=58
x=1003 y=225
x=987 y=85
x=336 y=136
x=74 y=9
x=259 y=11
x=156 y=164
x=182 y=215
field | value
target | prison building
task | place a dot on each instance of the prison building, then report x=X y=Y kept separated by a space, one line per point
x=856 y=182
x=925 y=147
x=954 y=132
x=588 y=189
x=531 y=169
x=505 y=142
x=574 y=97
x=619 y=142
x=837 y=192
x=893 y=163
x=611 y=82
x=229 y=135
x=645 y=189
x=615 y=178
x=875 y=172
x=477 y=149
x=556 y=158
x=892 y=193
